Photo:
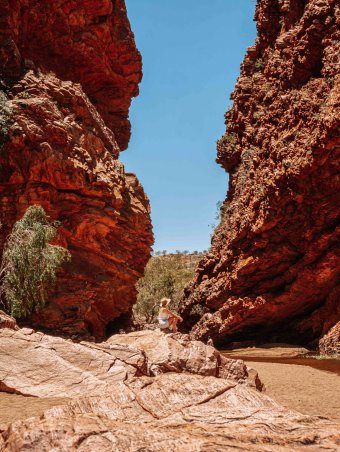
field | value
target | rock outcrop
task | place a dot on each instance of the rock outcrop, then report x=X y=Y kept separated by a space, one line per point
x=67 y=77
x=273 y=270
x=6 y=321
x=177 y=353
x=88 y=42
x=35 y=364
x=124 y=397
x=172 y=412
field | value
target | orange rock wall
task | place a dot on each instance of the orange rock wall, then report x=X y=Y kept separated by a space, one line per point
x=67 y=77
x=273 y=268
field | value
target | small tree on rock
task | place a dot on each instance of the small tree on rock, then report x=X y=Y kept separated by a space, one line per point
x=30 y=263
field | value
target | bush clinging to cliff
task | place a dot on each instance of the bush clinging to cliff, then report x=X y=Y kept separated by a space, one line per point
x=30 y=263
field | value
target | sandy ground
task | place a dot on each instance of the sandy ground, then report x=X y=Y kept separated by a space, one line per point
x=268 y=351
x=302 y=388
x=14 y=407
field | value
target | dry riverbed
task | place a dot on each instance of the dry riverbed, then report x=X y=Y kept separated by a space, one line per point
x=302 y=383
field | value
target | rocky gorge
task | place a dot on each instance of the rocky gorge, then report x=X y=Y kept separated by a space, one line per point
x=68 y=381
x=272 y=273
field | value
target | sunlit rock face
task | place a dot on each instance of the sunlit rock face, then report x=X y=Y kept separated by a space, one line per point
x=145 y=391
x=67 y=77
x=273 y=268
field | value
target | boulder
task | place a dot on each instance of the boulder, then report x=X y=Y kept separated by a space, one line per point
x=39 y=365
x=329 y=344
x=172 y=412
x=177 y=353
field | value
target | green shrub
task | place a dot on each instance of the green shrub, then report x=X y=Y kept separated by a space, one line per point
x=30 y=263
x=165 y=276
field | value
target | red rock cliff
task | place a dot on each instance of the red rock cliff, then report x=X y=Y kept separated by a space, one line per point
x=273 y=269
x=68 y=72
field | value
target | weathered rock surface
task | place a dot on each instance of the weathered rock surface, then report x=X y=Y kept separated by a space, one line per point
x=39 y=365
x=172 y=412
x=273 y=270
x=60 y=144
x=6 y=321
x=88 y=42
x=44 y=366
x=330 y=343
x=145 y=390
x=177 y=353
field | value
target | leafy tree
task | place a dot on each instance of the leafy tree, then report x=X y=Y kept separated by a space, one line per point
x=30 y=263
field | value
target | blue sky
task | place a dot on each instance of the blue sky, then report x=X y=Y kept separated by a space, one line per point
x=191 y=50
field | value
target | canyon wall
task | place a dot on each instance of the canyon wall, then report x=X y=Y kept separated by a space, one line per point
x=272 y=273
x=67 y=76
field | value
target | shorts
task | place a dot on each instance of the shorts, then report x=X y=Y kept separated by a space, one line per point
x=163 y=323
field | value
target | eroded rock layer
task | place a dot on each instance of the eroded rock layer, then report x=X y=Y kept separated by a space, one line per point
x=88 y=42
x=172 y=412
x=61 y=368
x=61 y=133
x=127 y=395
x=273 y=269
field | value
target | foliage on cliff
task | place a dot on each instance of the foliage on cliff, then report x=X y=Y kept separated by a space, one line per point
x=30 y=262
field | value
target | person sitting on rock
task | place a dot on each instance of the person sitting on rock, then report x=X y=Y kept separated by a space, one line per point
x=166 y=318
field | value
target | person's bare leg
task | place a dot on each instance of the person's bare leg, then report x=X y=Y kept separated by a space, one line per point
x=173 y=324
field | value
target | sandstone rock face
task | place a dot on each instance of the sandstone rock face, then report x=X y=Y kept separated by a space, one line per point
x=145 y=391
x=88 y=42
x=39 y=365
x=61 y=135
x=273 y=270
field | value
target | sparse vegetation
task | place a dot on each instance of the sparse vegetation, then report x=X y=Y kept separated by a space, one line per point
x=219 y=216
x=227 y=139
x=165 y=276
x=30 y=263
x=197 y=310
x=259 y=64
x=5 y=115
x=257 y=115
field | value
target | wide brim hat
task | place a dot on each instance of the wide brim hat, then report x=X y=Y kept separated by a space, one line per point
x=165 y=302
